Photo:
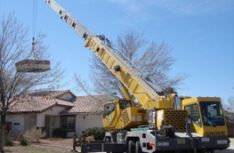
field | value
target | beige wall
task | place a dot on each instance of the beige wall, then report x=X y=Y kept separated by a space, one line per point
x=50 y=112
x=86 y=121
x=82 y=121
x=17 y=121
x=29 y=121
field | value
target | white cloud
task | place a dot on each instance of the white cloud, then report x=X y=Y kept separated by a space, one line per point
x=144 y=8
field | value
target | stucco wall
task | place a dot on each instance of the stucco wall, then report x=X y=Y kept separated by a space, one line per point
x=29 y=121
x=86 y=121
x=82 y=121
x=53 y=111
x=17 y=121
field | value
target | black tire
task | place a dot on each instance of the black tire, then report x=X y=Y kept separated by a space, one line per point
x=107 y=139
x=138 y=147
x=131 y=146
x=212 y=151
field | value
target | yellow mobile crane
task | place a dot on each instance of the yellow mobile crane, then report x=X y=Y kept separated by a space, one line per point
x=163 y=122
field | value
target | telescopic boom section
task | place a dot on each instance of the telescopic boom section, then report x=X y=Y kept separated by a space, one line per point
x=143 y=90
x=70 y=20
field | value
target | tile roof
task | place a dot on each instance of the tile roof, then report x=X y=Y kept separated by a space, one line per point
x=86 y=104
x=35 y=104
x=41 y=101
x=53 y=94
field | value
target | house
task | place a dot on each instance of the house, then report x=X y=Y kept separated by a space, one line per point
x=54 y=109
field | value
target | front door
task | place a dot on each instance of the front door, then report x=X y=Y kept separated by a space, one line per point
x=47 y=125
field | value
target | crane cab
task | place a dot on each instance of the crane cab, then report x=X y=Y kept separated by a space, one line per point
x=207 y=116
x=122 y=114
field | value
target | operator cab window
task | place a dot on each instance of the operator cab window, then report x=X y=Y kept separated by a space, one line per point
x=193 y=112
x=108 y=109
x=124 y=104
x=212 y=114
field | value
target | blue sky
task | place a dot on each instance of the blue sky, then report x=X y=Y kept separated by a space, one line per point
x=201 y=33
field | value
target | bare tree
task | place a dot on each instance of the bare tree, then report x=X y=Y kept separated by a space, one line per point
x=170 y=90
x=231 y=104
x=153 y=60
x=14 y=47
x=229 y=108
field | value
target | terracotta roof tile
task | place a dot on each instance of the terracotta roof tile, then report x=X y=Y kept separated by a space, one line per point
x=35 y=104
x=39 y=102
x=56 y=94
x=53 y=94
x=86 y=104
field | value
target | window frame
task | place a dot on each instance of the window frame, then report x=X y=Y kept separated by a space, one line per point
x=106 y=111
x=220 y=110
x=67 y=124
x=198 y=109
x=124 y=104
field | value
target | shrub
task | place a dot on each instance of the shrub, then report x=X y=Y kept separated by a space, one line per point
x=59 y=133
x=34 y=134
x=97 y=132
x=8 y=139
x=23 y=141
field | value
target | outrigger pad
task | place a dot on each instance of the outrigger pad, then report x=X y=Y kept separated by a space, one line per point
x=32 y=65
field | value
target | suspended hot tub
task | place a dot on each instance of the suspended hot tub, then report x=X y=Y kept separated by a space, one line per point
x=35 y=66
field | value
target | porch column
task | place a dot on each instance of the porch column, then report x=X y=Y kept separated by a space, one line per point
x=40 y=120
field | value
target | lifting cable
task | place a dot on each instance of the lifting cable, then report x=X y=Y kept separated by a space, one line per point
x=34 y=25
x=0 y=15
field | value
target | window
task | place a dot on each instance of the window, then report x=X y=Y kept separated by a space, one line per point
x=68 y=122
x=108 y=109
x=212 y=113
x=193 y=112
x=124 y=104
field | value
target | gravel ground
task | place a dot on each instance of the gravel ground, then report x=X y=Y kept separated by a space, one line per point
x=49 y=145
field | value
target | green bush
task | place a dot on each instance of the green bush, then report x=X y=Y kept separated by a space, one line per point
x=59 y=133
x=23 y=141
x=97 y=132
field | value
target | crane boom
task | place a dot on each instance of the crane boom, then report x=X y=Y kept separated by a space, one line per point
x=83 y=32
x=142 y=89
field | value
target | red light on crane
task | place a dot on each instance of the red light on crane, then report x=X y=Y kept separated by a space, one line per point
x=151 y=144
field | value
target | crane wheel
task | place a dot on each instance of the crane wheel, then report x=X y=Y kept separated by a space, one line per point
x=138 y=147
x=131 y=146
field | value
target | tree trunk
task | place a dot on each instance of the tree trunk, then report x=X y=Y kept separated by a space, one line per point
x=3 y=118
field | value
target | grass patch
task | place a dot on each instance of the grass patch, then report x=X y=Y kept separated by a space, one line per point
x=33 y=149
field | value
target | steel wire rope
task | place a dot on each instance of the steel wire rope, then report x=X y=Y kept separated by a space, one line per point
x=0 y=15
x=33 y=36
x=34 y=26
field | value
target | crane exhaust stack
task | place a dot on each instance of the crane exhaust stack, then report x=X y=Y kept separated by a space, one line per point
x=177 y=103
